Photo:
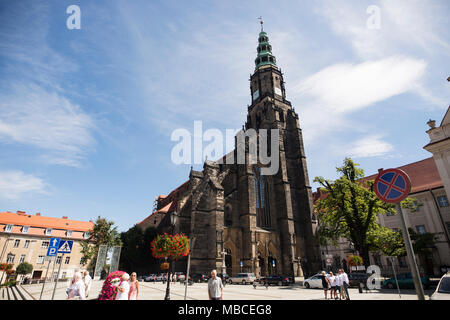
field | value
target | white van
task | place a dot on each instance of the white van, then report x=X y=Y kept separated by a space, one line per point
x=243 y=278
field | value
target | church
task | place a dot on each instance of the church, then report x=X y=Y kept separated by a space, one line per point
x=242 y=220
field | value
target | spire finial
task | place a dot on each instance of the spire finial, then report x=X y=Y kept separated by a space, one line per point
x=262 y=22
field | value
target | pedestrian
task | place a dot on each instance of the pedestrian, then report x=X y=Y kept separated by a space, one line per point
x=215 y=287
x=76 y=290
x=134 y=287
x=87 y=282
x=123 y=288
x=332 y=282
x=325 y=283
x=338 y=286
x=345 y=283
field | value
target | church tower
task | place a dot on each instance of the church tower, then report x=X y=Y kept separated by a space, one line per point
x=241 y=219
x=288 y=208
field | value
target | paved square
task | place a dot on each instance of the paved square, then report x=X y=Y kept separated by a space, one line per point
x=198 y=291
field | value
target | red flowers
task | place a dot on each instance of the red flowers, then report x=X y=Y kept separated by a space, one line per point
x=170 y=246
x=108 y=290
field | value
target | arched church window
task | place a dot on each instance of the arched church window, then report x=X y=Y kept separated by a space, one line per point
x=263 y=219
x=228 y=218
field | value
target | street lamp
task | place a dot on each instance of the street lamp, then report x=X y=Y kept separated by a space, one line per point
x=173 y=221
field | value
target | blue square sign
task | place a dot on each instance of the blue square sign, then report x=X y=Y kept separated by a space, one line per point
x=52 y=250
x=65 y=246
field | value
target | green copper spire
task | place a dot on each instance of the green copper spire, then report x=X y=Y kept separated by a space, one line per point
x=265 y=56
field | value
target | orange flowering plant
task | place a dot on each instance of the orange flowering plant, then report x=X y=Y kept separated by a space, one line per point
x=170 y=246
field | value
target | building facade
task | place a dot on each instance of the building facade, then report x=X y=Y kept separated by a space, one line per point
x=26 y=237
x=430 y=179
x=242 y=220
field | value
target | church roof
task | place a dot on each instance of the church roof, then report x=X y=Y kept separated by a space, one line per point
x=264 y=56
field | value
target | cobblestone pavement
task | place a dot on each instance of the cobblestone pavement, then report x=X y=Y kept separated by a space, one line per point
x=198 y=291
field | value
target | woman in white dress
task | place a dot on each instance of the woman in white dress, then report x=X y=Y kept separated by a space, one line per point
x=124 y=288
x=76 y=291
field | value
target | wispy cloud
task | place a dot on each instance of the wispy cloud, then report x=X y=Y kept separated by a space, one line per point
x=370 y=146
x=346 y=87
x=404 y=25
x=35 y=104
x=341 y=89
x=14 y=184
x=33 y=116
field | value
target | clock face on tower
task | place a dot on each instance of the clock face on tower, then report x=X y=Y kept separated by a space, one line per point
x=278 y=91
x=255 y=95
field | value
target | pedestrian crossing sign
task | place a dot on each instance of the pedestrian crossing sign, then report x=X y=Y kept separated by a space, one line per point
x=65 y=246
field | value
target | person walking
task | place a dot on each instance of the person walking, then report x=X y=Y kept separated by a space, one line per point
x=215 y=287
x=134 y=287
x=325 y=283
x=332 y=282
x=87 y=282
x=124 y=288
x=345 y=283
x=338 y=286
x=76 y=290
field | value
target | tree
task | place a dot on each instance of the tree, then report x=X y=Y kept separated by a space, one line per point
x=103 y=233
x=135 y=255
x=24 y=268
x=350 y=208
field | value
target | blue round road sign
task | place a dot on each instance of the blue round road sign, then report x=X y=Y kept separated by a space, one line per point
x=392 y=185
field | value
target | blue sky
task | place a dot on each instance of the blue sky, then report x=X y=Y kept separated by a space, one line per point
x=86 y=115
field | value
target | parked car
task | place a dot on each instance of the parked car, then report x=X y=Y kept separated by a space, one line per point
x=242 y=278
x=150 y=278
x=443 y=289
x=160 y=277
x=313 y=282
x=354 y=278
x=275 y=279
x=199 y=277
x=405 y=280
x=141 y=278
x=180 y=276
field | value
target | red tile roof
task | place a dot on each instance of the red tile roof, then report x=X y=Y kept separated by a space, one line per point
x=424 y=175
x=22 y=219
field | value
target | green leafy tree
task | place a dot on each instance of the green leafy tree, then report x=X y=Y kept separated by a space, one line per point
x=135 y=254
x=24 y=268
x=350 y=208
x=103 y=233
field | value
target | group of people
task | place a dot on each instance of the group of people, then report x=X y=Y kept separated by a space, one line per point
x=336 y=283
x=128 y=288
x=79 y=286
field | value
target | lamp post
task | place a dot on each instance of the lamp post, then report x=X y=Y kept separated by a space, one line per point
x=173 y=221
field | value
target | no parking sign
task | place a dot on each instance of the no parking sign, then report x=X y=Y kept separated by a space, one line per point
x=392 y=185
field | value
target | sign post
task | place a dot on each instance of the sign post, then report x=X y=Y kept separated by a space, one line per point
x=392 y=186
x=64 y=246
x=57 y=276
x=51 y=252
x=46 y=273
x=186 y=280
